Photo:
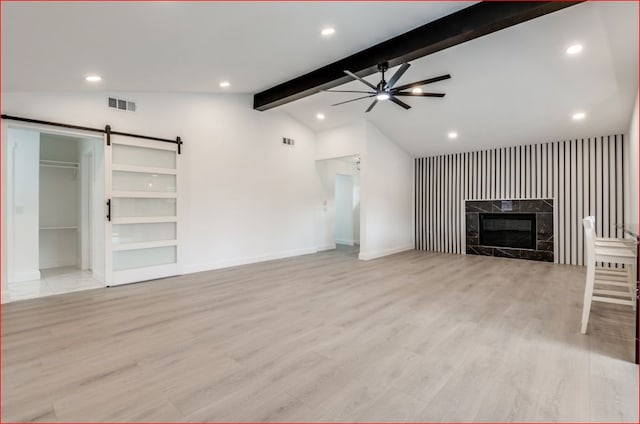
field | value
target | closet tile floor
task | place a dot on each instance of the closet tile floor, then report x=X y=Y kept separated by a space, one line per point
x=54 y=281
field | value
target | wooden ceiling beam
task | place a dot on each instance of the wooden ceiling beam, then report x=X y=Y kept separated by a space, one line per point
x=467 y=24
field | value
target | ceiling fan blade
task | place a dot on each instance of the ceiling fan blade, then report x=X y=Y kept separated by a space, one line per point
x=367 y=83
x=371 y=106
x=349 y=91
x=408 y=93
x=399 y=103
x=353 y=100
x=397 y=75
x=423 y=82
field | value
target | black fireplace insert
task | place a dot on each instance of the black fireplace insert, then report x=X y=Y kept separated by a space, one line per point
x=517 y=230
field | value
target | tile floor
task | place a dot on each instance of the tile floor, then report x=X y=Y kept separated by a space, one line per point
x=54 y=281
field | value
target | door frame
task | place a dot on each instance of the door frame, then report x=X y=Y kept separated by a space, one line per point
x=7 y=191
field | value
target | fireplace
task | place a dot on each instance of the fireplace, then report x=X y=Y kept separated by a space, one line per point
x=510 y=228
x=517 y=230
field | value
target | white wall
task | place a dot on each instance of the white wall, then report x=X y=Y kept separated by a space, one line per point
x=385 y=186
x=22 y=174
x=632 y=157
x=244 y=197
x=342 y=141
x=344 y=209
x=355 y=208
x=386 y=216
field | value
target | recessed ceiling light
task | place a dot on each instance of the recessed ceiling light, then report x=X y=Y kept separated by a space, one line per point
x=328 y=31
x=417 y=90
x=320 y=116
x=383 y=96
x=452 y=135
x=579 y=116
x=93 y=78
x=225 y=84
x=574 y=49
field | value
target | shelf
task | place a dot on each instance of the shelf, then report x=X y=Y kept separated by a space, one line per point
x=58 y=228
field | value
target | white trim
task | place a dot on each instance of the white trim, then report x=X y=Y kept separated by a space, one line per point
x=20 y=276
x=144 y=245
x=139 y=142
x=143 y=169
x=145 y=194
x=143 y=220
x=365 y=256
x=49 y=129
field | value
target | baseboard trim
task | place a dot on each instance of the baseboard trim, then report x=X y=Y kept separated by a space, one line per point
x=226 y=263
x=326 y=247
x=21 y=276
x=365 y=256
x=346 y=242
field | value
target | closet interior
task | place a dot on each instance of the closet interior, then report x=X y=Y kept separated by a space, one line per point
x=55 y=225
x=60 y=233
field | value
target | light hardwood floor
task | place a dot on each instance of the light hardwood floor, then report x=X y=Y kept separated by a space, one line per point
x=416 y=336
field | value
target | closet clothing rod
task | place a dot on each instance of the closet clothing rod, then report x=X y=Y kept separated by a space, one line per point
x=48 y=165
x=107 y=130
x=58 y=162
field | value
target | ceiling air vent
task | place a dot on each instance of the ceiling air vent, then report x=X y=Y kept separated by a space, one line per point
x=120 y=104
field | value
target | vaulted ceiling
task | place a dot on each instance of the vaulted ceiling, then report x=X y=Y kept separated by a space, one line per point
x=511 y=87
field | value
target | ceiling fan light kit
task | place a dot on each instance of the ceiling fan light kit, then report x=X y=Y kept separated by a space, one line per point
x=386 y=90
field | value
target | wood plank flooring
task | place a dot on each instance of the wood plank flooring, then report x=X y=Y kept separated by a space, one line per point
x=416 y=336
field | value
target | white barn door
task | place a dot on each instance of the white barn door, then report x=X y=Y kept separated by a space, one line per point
x=141 y=240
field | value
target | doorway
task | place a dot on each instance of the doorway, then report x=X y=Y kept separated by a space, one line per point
x=54 y=193
x=341 y=181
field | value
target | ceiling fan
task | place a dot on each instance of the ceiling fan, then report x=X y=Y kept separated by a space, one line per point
x=385 y=90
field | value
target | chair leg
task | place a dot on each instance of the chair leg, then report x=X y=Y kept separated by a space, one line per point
x=588 y=294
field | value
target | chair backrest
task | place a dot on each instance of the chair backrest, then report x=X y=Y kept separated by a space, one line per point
x=589 y=224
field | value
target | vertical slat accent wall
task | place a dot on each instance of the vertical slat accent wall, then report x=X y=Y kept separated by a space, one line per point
x=584 y=177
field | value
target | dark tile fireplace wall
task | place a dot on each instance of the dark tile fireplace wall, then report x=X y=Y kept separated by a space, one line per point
x=583 y=177
x=543 y=211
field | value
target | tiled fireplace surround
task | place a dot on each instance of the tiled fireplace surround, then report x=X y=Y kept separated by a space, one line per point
x=542 y=208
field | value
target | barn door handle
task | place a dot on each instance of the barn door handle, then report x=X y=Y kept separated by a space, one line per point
x=109 y=210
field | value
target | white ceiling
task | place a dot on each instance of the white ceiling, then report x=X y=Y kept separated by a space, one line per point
x=190 y=46
x=515 y=86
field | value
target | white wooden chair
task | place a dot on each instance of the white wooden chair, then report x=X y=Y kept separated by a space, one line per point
x=615 y=285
